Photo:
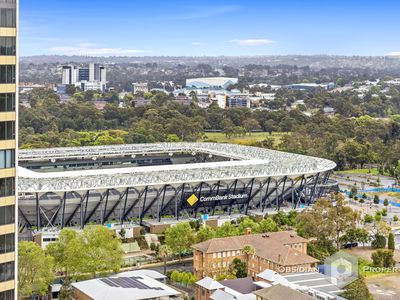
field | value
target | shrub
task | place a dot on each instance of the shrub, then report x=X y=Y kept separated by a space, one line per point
x=383 y=258
x=368 y=218
x=379 y=242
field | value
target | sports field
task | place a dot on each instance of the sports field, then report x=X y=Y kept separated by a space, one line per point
x=248 y=139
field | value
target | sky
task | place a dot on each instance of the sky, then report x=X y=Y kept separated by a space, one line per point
x=209 y=28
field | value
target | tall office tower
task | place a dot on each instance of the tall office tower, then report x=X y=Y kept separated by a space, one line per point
x=69 y=74
x=83 y=74
x=94 y=72
x=8 y=146
x=103 y=75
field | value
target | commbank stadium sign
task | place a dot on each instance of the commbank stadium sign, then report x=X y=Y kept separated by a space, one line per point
x=193 y=199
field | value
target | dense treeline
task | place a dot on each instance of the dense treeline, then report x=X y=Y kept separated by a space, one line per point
x=351 y=142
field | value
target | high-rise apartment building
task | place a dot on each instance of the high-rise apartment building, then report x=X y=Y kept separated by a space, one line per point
x=8 y=146
x=69 y=74
x=93 y=77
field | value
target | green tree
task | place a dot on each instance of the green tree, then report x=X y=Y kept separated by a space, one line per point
x=391 y=244
x=94 y=250
x=238 y=268
x=165 y=252
x=248 y=223
x=66 y=291
x=356 y=235
x=248 y=251
x=251 y=124
x=227 y=229
x=65 y=252
x=281 y=218
x=383 y=258
x=357 y=290
x=268 y=225
x=376 y=199
x=353 y=191
x=378 y=241
x=102 y=250
x=386 y=202
x=326 y=221
x=35 y=270
x=205 y=233
x=179 y=238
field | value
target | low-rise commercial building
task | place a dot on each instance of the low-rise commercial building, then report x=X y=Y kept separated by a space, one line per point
x=135 y=285
x=140 y=87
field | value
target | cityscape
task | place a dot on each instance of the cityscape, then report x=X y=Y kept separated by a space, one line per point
x=200 y=151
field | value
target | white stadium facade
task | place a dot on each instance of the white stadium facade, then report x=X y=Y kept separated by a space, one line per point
x=211 y=82
x=130 y=183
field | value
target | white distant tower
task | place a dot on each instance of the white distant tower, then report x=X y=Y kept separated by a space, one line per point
x=69 y=74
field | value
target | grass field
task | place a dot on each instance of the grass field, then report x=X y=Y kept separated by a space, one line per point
x=220 y=137
x=372 y=171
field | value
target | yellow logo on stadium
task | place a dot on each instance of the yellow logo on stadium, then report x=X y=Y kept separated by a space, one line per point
x=192 y=200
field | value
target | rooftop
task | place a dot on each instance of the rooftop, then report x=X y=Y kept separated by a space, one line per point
x=209 y=284
x=241 y=285
x=125 y=286
x=281 y=292
x=270 y=246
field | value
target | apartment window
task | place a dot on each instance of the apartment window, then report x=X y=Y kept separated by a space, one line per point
x=224 y=254
x=7 y=102
x=7 y=271
x=7 y=74
x=7 y=243
x=7 y=45
x=7 y=17
x=7 y=187
x=7 y=295
x=214 y=255
x=7 y=215
x=7 y=159
x=219 y=254
x=7 y=130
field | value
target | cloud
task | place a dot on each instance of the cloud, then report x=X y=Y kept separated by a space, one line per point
x=396 y=53
x=89 y=49
x=196 y=43
x=252 y=42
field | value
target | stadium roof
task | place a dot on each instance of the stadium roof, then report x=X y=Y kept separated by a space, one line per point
x=207 y=82
x=247 y=162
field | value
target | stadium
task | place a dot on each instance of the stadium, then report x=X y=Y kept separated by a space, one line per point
x=121 y=183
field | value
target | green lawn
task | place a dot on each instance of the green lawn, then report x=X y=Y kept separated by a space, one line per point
x=248 y=139
x=372 y=171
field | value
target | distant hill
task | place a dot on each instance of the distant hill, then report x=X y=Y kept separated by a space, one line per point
x=313 y=61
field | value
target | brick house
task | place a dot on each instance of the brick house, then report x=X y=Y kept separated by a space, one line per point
x=283 y=252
